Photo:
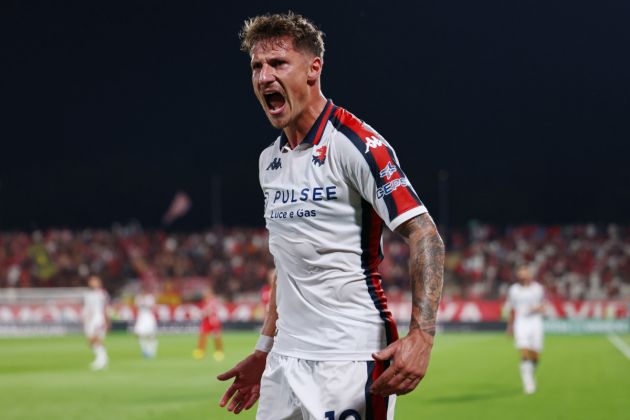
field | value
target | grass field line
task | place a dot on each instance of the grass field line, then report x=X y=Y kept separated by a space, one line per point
x=621 y=345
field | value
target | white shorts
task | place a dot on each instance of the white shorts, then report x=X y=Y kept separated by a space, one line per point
x=145 y=325
x=321 y=390
x=95 y=328
x=528 y=335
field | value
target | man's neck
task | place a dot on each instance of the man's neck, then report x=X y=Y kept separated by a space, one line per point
x=297 y=130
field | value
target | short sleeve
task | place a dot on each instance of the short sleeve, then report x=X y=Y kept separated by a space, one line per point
x=372 y=168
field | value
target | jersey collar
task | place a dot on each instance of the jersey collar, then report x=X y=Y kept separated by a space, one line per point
x=317 y=130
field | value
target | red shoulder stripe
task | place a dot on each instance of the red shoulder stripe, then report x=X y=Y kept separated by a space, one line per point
x=403 y=197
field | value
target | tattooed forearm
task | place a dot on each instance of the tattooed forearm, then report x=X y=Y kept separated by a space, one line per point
x=426 y=269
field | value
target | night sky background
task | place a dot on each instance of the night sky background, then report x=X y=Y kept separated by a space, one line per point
x=108 y=109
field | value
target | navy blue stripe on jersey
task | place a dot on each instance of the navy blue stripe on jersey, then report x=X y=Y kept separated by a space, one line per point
x=356 y=140
x=369 y=411
x=370 y=279
x=371 y=231
x=283 y=139
x=314 y=133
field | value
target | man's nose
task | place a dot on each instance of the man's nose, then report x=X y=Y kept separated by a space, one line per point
x=266 y=74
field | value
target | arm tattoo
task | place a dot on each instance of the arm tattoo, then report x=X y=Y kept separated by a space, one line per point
x=426 y=269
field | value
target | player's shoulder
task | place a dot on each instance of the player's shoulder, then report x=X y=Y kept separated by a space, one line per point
x=275 y=144
x=267 y=154
x=350 y=127
x=514 y=288
x=353 y=138
x=272 y=147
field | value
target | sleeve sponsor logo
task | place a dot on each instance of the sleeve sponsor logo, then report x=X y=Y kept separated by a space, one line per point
x=388 y=171
x=276 y=163
x=391 y=186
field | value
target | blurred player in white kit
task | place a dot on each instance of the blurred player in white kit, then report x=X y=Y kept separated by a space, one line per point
x=526 y=304
x=95 y=321
x=146 y=324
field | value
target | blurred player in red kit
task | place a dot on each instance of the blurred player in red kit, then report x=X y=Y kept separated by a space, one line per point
x=210 y=324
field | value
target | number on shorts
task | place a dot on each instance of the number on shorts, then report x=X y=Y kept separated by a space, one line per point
x=330 y=415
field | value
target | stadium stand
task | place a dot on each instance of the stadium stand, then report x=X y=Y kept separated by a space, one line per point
x=574 y=262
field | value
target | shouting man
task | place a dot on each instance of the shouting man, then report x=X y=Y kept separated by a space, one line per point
x=329 y=348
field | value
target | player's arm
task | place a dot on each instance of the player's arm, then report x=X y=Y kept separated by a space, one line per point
x=84 y=312
x=206 y=310
x=511 y=313
x=411 y=354
x=540 y=308
x=271 y=316
x=106 y=317
x=510 y=321
x=426 y=269
x=245 y=389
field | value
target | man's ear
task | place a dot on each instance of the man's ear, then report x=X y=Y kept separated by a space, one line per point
x=315 y=69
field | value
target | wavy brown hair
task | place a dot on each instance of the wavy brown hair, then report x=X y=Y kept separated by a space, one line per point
x=305 y=35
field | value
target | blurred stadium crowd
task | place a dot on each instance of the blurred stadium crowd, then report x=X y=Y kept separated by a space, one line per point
x=574 y=262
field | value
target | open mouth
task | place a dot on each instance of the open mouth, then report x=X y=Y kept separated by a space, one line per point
x=275 y=102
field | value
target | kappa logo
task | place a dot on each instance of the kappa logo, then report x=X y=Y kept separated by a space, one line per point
x=320 y=156
x=388 y=171
x=276 y=163
x=372 y=143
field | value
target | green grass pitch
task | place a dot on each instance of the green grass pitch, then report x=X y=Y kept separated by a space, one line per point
x=472 y=376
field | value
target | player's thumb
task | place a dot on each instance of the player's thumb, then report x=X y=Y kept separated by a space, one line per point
x=384 y=354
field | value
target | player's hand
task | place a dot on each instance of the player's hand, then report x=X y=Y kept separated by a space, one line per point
x=245 y=389
x=410 y=359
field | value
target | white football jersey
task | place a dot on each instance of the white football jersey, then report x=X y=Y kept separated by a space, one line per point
x=326 y=203
x=146 y=324
x=145 y=303
x=524 y=298
x=94 y=304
